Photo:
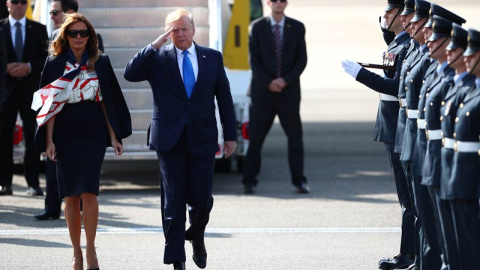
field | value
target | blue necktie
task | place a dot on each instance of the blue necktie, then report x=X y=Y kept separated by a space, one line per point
x=188 y=76
x=18 y=42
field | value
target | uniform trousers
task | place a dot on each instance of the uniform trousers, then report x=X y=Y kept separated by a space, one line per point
x=185 y=178
x=262 y=114
x=407 y=244
x=466 y=221
x=444 y=226
x=430 y=251
x=19 y=102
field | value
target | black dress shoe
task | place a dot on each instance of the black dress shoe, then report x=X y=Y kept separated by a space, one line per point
x=411 y=267
x=248 y=188
x=302 y=188
x=401 y=261
x=6 y=190
x=45 y=214
x=199 y=253
x=34 y=191
x=179 y=266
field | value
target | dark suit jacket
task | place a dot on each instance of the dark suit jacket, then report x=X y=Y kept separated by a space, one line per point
x=34 y=52
x=263 y=61
x=387 y=116
x=3 y=67
x=115 y=105
x=173 y=110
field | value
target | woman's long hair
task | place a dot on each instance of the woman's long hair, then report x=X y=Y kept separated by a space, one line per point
x=60 y=44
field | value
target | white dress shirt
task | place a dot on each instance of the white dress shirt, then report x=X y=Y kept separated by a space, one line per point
x=192 y=54
x=13 y=28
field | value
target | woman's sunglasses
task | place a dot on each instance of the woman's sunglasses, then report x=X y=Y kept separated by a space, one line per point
x=14 y=2
x=74 y=33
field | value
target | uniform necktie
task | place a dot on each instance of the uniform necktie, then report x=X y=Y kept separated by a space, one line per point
x=277 y=38
x=188 y=76
x=18 y=42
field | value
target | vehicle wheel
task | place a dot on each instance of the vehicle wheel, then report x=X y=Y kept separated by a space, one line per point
x=240 y=164
x=223 y=165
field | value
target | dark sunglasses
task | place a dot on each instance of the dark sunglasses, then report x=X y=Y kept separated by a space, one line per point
x=74 y=33
x=55 y=12
x=281 y=1
x=14 y=2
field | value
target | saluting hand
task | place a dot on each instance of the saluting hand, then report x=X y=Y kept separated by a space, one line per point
x=229 y=148
x=158 y=43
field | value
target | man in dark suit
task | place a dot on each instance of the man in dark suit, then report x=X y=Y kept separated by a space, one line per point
x=185 y=78
x=278 y=56
x=25 y=42
x=3 y=68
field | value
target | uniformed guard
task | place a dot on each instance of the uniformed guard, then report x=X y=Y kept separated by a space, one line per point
x=463 y=82
x=412 y=72
x=434 y=96
x=462 y=190
x=386 y=125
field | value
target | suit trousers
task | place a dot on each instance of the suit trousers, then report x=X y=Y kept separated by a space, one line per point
x=19 y=101
x=262 y=115
x=407 y=244
x=185 y=179
x=465 y=214
x=53 y=202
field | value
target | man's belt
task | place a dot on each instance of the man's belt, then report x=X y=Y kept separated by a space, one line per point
x=385 y=97
x=434 y=134
x=403 y=102
x=448 y=143
x=466 y=147
x=421 y=124
x=412 y=114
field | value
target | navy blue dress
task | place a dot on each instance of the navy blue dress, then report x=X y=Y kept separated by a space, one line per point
x=80 y=137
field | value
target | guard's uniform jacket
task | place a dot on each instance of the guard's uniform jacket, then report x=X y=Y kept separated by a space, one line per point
x=412 y=55
x=413 y=85
x=421 y=142
x=464 y=181
x=434 y=97
x=464 y=83
x=387 y=86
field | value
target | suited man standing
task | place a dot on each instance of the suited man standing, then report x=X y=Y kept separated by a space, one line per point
x=3 y=68
x=278 y=56
x=185 y=78
x=26 y=43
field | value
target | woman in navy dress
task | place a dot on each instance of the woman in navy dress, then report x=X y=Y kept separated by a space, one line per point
x=82 y=112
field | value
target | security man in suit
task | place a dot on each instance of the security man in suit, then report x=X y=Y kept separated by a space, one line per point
x=3 y=68
x=463 y=188
x=185 y=78
x=386 y=125
x=463 y=83
x=278 y=56
x=26 y=42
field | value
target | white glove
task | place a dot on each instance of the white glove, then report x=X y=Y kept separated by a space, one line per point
x=383 y=23
x=351 y=67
